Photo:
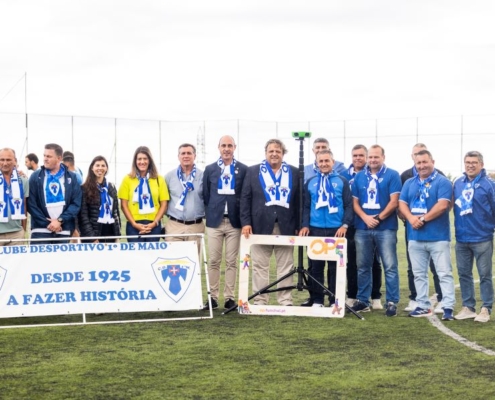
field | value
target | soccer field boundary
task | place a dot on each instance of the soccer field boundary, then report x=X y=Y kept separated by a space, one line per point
x=435 y=321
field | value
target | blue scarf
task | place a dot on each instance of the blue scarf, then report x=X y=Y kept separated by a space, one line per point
x=54 y=194
x=277 y=190
x=187 y=185
x=352 y=173
x=12 y=197
x=226 y=180
x=326 y=193
x=419 y=202
x=373 y=196
x=106 y=205
x=465 y=200
x=142 y=195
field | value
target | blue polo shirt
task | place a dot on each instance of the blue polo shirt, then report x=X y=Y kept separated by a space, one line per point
x=388 y=184
x=321 y=218
x=439 y=228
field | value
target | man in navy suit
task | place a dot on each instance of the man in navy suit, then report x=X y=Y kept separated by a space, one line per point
x=270 y=206
x=222 y=184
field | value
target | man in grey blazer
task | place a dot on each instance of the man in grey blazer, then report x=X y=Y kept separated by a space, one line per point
x=222 y=184
x=270 y=206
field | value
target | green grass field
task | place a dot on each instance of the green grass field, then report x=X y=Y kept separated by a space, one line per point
x=248 y=357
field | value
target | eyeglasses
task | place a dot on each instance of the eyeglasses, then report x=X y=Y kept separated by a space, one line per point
x=471 y=162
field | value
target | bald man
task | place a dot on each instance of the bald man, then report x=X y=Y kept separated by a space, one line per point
x=222 y=183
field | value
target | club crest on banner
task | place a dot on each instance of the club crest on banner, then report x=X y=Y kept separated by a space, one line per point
x=174 y=275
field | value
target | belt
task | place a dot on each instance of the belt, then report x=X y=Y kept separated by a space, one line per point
x=225 y=215
x=194 y=221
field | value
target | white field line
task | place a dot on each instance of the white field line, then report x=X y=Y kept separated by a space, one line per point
x=442 y=328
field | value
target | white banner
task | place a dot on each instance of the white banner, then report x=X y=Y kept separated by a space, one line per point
x=318 y=248
x=99 y=278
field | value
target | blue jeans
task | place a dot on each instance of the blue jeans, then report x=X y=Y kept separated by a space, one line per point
x=410 y=276
x=49 y=237
x=385 y=242
x=131 y=231
x=352 y=280
x=465 y=254
x=420 y=253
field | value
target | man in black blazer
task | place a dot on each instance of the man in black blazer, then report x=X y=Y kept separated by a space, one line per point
x=270 y=206
x=222 y=184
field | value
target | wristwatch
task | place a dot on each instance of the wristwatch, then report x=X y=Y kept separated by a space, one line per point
x=422 y=219
x=61 y=220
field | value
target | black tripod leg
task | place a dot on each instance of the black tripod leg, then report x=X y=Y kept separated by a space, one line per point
x=327 y=291
x=266 y=288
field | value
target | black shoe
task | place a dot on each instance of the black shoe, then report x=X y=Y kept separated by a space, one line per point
x=307 y=303
x=229 y=304
x=214 y=305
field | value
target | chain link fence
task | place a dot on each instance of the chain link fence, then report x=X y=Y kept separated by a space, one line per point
x=448 y=138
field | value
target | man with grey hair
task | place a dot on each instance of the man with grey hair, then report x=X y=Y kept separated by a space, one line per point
x=186 y=208
x=474 y=213
x=270 y=206
x=312 y=169
x=14 y=189
x=327 y=212
x=222 y=184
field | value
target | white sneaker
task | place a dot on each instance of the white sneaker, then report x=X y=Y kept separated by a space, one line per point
x=466 y=313
x=411 y=306
x=317 y=305
x=376 y=304
x=438 y=308
x=483 y=316
x=350 y=302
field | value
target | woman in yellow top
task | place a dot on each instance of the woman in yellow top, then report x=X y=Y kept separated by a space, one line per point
x=143 y=197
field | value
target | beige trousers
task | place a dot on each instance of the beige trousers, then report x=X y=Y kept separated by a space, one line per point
x=225 y=232
x=284 y=258
x=12 y=235
x=174 y=227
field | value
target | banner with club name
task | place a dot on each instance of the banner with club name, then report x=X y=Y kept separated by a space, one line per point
x=318 y=248
x=81 y=278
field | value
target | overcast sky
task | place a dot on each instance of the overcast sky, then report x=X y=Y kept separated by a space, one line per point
x=261 y=60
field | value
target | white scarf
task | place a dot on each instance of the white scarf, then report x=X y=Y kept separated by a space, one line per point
x=142 y=195
x=465 y=200
x=277 y=190
x=226 y=180
x=373 y=200
x=187 y=185
x=12 y=198
x=105 y=215
x=326 y=194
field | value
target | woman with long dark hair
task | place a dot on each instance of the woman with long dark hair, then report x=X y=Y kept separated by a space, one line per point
x=99 y=215
x=144 y=197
